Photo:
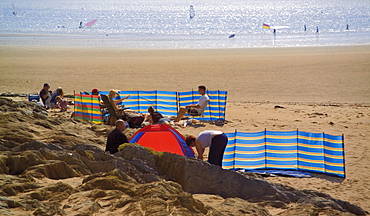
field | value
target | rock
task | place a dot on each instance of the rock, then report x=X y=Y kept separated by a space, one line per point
x=309 y=209
x=52 y=170
x=40 y=195
x=86 y=208
x=114 y=173
x=109 y=183
x=72 y=158
x=57 y=192
x=98 y=194
x=19 y=162
x=8 y=143
x=200 y=177
x=13 y=189
x=21 y=136
x=136 y=152
x=9 y=94
x=3 y=148
x=275 y=204
x=49 y=209
x=36 y=145
x=279 y=107
x=164 y=198
x=9 y=202
x=3 y=165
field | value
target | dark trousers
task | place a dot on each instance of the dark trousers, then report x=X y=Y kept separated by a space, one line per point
x=217 y=149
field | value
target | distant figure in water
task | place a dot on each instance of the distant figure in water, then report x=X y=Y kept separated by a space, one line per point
x=347 y=28
x=231 y=36
x=305 y=28
x=80 y=25
x=274 y=31
x=317 y=30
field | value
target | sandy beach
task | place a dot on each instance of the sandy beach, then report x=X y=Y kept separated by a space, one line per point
x=315 y=74
x=320 y=89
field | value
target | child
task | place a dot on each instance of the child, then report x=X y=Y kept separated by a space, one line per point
x=63 y=104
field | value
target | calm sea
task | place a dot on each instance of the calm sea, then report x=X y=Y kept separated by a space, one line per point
x=167 y=24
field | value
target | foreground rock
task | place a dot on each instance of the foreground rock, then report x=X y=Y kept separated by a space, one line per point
x=138 y=182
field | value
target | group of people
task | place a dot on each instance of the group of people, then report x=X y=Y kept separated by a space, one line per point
x=215 y=140
x=53 y=99
x=154 y=117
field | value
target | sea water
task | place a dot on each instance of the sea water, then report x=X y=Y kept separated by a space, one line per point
x=166 y=23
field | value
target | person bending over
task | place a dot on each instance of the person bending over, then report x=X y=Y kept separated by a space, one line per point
x=194 y=109
x=116 y=137
x=215 y=140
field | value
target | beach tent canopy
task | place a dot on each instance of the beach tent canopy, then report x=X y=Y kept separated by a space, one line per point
x=162 y=138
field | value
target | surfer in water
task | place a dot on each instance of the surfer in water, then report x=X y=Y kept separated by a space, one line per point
x=80 y=25
x=274 y=31
x=317 y=30
x=347 y=28
x=305 y=28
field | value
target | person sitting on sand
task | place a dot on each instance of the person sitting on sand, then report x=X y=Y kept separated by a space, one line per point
x=63 y=104
x=155 y=117
x=194 y=109
x=57 y=92
x=45 y=95
x=116 y=137
x=215 y=140
x=95 y=92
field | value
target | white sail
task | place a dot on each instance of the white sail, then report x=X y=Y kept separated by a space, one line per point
x=191 y=12
x=14 y=10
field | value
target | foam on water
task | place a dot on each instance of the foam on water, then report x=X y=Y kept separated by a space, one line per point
x=166 y=24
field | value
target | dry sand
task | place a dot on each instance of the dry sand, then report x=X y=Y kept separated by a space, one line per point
x=307 y=82
x=337 y=74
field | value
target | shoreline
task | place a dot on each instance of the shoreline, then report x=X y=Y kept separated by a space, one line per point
x=178 y=42
x=72 y=37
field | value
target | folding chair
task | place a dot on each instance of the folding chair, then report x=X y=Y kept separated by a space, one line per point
x=112 y=112
x=201 y=113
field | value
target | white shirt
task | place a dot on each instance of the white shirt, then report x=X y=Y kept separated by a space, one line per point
x=202 y=103
x=205 y=137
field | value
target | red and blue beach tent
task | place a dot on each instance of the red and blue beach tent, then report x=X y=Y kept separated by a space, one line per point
x=162 y=138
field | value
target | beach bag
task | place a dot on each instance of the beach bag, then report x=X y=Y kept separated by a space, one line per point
x=134 y=120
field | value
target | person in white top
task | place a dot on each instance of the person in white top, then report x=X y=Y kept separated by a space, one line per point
x=215 y=140
x=195 y=109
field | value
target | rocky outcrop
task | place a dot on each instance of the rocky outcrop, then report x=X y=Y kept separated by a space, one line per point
x=144 y=180
x=201 y=177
